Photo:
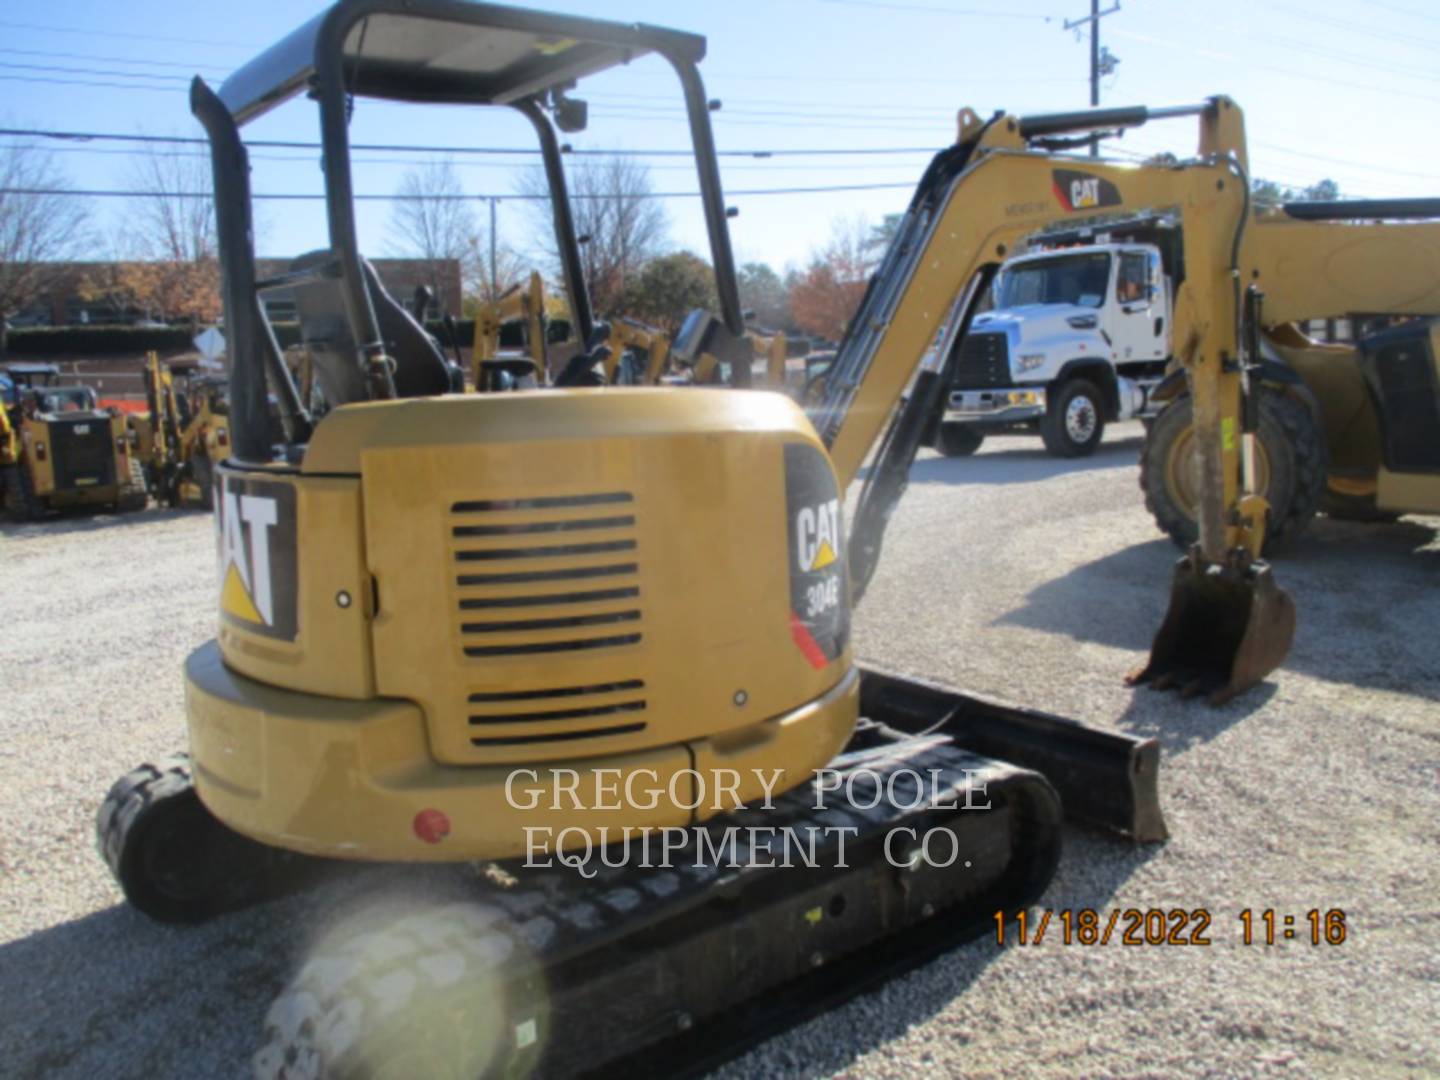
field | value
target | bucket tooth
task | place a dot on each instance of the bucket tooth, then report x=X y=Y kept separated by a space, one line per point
x=1228 y=626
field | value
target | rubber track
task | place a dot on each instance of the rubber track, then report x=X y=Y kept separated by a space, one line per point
x=129 y=796
x=347 y=992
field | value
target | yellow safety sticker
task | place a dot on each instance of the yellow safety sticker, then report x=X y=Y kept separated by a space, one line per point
x=1227 y=433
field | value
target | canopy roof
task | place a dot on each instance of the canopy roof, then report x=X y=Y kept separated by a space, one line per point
x=444 y=51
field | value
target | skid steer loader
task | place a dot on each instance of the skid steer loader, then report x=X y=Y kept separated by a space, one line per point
x=59 y=450
x=511 y=628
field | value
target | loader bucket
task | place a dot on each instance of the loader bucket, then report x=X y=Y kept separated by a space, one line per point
x=1229 y=625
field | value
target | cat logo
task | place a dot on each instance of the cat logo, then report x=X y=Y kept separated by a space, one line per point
x=1081 y=191
x=255 y=523
x=819 y=593
x=817 y=535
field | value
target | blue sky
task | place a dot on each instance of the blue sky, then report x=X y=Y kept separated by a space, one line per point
x=1341 y=90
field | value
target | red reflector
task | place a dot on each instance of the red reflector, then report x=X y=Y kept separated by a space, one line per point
x=432 y=826
x=806 y=643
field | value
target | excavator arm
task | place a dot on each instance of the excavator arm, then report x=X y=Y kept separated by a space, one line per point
x=1005 y=180
x=525 y=304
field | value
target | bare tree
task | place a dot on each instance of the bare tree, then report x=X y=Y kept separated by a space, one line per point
x=39 y=230
x=620 y=224
x=170 y=224
x=432 y=221
x=169 y=232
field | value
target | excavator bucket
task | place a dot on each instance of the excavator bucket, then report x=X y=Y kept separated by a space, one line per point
x=1229 y=625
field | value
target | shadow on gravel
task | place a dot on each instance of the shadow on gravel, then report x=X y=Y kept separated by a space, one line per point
x=1022 y=465
x=116 y=995
x=65 y=524
x=1365 y=598
x=1093 y=870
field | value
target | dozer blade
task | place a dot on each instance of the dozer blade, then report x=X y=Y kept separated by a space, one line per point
x=1229 y=625
x=1103 y=778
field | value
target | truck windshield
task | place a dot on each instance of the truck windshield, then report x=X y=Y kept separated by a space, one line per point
x=1064 y=279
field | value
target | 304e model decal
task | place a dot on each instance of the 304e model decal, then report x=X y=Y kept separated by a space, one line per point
x=255 y=527
x=819 y=592
x=1081 y=191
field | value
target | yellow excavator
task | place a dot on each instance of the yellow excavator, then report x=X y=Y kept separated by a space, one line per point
x=596 y=639
x=491 y=370
x=184 y=433
x=638 y=353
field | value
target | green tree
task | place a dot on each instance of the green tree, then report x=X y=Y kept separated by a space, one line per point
x=762 y=292
x=667 y=288
x=882 y=235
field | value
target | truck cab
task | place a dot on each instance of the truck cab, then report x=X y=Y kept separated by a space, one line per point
x=1077 y=336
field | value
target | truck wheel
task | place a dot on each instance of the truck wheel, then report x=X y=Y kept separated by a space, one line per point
x=1289 y=468
x=1074 y=421
x=958 y=440
x=174 y=860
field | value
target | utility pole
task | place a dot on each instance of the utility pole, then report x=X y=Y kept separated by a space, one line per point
x=1101 y=60
x=494 y=274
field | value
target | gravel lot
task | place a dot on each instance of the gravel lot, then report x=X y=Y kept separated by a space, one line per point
x=1009 y=574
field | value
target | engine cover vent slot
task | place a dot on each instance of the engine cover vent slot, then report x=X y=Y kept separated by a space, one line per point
x=556 y=714
x=519 y=601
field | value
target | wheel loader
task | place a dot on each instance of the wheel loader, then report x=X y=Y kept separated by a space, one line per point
x=1350 y=431
x=594 y=641
x=60 y=451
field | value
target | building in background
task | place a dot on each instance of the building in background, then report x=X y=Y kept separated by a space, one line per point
x=82 y=294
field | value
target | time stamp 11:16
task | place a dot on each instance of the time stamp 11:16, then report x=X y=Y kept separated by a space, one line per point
x=1166 y=926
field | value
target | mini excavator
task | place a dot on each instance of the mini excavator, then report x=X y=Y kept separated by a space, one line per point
x=425 y=595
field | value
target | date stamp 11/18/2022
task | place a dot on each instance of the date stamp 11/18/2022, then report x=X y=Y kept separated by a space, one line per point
x=1167 y=926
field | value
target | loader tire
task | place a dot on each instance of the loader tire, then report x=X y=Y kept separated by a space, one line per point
x=174 y=860
x=958 y=440
x=1290 y=468
x=422 y=995
x=21 y=503
x=1074 y=420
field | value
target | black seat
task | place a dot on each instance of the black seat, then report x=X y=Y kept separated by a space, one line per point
x=420 y=368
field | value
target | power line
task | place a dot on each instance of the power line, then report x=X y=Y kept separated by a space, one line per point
x=47 y=54
x=987 y=13
x=56 y=69
x=104 y=193
x=133 y=37
x=526 y=151
x=311 y=160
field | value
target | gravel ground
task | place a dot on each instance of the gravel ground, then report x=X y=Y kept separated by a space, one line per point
x=1008 y=573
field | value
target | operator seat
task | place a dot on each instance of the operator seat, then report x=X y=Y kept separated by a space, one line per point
x=420 y=369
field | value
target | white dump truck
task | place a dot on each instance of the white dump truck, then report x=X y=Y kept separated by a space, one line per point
x=1078 y=335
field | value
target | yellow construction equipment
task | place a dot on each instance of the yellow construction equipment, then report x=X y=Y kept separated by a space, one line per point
x=1350 y=430
x=562 y=623
x=184 y=433
x=489 y=369
x=639 y=354
x=59 y=450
